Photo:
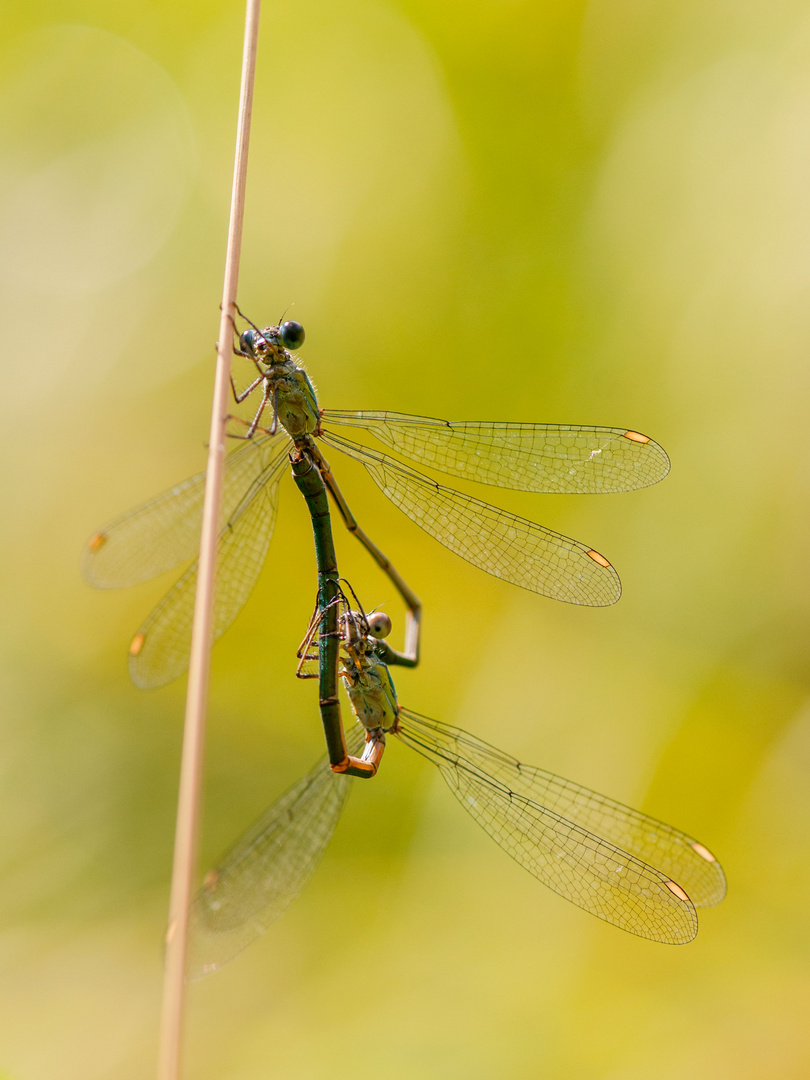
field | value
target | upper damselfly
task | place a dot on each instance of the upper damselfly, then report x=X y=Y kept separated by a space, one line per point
x=556 y=458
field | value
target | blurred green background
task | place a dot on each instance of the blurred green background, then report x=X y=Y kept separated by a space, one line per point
x=571 y=212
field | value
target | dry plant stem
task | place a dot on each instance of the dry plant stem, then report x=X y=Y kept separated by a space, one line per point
x=191 y=767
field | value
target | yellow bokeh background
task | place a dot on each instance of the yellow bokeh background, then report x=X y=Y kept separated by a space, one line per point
x=581 y=212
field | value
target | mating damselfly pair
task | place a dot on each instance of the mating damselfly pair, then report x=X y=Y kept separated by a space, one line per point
x=527 y=457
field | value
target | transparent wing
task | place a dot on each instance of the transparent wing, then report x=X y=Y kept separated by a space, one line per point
x=267 y=868
x=504 y=545
x=582 y=866
x=165 y=531
x=558 y=458
x=680 y=856
x=160 y=650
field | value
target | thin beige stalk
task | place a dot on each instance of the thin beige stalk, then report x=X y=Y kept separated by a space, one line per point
x=191 y=766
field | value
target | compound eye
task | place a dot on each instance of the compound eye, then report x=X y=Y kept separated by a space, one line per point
x=292 y=334
x=246 y=340
x=379 y=624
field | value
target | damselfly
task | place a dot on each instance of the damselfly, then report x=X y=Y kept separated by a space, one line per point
x=164 y=531
x=625 y=867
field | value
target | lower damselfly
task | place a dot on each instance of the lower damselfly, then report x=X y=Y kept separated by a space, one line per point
x=623 y=866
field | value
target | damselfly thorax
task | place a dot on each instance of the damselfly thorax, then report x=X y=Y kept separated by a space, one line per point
x=367 y=678
x=286 y=387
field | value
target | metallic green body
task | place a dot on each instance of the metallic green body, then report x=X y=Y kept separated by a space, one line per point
x=372 y=696
x=286 y=384
x=298 y=411
x=310 y=483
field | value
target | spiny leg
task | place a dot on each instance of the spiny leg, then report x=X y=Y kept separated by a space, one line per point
x=254 y=424
x=239 y=398
x=239 y=352
x=245 y=423
x=242 y=315
x=303 y=654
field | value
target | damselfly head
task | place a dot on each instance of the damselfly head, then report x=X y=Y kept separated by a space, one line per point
x=379 y=624
x=264 y=344
x=353 y=627
x=258 y=343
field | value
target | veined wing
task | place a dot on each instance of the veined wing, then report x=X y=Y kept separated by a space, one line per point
x=165 y=530
x=555 y=458
x=268 y=867
x=678 y=855
x=160 y=650
x=504 y=545
x=581 y=866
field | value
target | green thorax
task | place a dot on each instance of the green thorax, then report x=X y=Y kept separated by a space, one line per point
x=297 y=403
x=368 y=682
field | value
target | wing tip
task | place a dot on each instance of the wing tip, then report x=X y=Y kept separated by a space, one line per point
x=140 y=672
x=656 y=449
x=612 y=584
x=89 y=561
